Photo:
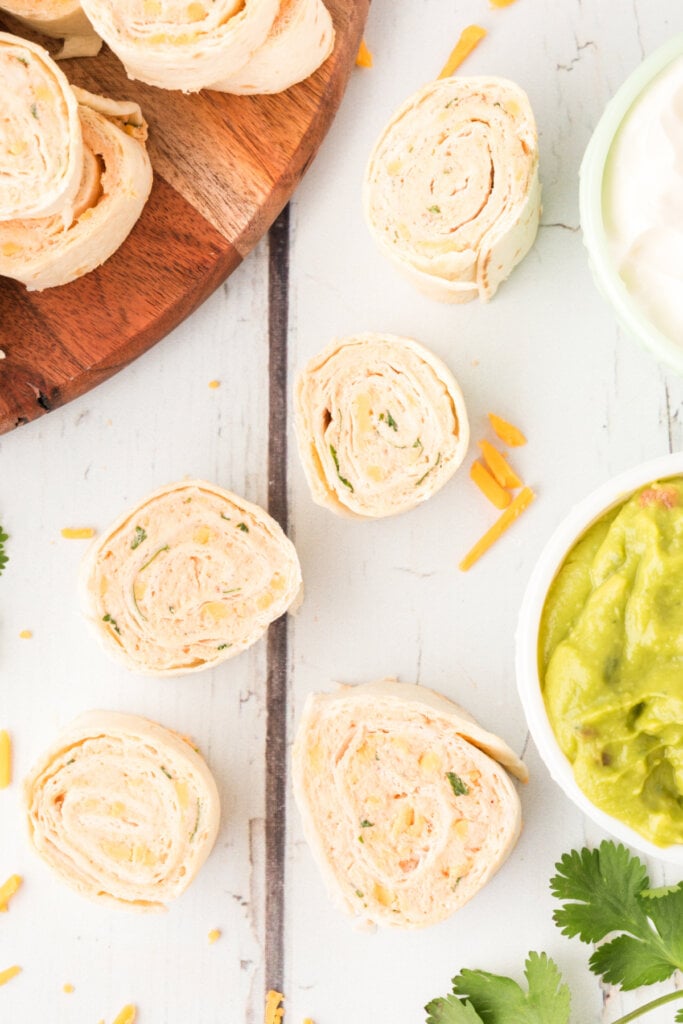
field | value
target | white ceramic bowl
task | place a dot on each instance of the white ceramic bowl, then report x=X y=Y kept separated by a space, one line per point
x=570 y=530
x=628 y=312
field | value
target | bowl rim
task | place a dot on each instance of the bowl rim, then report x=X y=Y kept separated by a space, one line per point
x=579 y=518
x=591 y=177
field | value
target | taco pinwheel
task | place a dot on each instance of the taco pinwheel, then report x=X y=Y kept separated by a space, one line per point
x=123 y=810
x=59 y=19
x=188 y=578
x=381 y=425
x=114 y=182
x=406 y=802
x=451 y=192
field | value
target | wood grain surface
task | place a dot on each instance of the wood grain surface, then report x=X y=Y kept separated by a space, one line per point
x=224 y=166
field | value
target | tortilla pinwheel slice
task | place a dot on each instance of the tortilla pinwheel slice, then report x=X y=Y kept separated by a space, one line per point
x=59 y=19
x=451 y=192
x=123 y=810
x=115 y=182
x=406 y=802
x=41 y=145
x=180 y=45
x=190 y=577
x=301 y=38
x=381 y=425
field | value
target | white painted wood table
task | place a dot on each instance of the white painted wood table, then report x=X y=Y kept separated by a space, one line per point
x=381 y=598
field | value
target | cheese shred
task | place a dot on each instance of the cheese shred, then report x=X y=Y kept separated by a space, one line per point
x=7 y=891
x=5 y=759
x=519 y=503
x=10 y=973
x=469 y=38
x=78 y=532
x=127 y=1015
x=274 y=1009
x=507 y=432
x=364 y=56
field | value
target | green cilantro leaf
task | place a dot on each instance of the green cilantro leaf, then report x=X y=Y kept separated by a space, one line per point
x=335 y=459
x=679 y=1017
x=459 y=787
x=500 y=1000
x=603 y=886
x=630 y=963
x=451 y=1010
x=140 y=535
x=4 y=559
x=609 y=891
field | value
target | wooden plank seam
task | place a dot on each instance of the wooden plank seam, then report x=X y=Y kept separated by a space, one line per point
x=277 y=653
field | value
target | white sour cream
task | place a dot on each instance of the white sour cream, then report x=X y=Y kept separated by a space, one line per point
x=643 y=201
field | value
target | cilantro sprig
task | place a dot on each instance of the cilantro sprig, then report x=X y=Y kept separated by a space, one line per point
x=604 y=892
x=482 y=998
x=4 y=558
x=607 y=890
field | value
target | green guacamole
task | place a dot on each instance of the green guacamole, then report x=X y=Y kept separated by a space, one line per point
x=611 y=661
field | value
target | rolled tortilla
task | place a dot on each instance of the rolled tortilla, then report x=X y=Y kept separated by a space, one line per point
x=381 y=425
x=178 y=45
x=59 y=19
x=405 y=801
x=41 y=146
x=301 y=38
x=190 y=577
x=115 y=182
x=451 y=192
x=123 y=810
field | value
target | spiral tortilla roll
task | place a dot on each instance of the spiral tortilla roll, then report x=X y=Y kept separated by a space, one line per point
x=190 y=577
x=301 y=38
x=451 y=192
x=59 y=19
x=123 y=810
x=405 y=801
x=381 y=425
x=116 y=179
x=41 y=146
x=174 y=44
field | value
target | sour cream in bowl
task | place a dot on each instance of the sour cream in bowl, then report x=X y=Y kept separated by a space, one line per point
x=631 y=200
x=597 y=656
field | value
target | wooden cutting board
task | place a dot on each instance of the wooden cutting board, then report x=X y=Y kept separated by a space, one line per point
x=224 y=167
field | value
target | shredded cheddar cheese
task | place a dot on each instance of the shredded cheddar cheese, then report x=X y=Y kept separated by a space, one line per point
x=499 y=466
x=469 y=38
x=5 y=759
x=501 y=3
x=214 y=383
x=274 y=1009
x=7 y=891
x=489 y=486
x=506 y=432
x=68 y=988
x=127 y=1015
x=519 y=503
x=10 y=973
x=78 y=532
x=364 y=56
x=25 y=634
x=214 y=935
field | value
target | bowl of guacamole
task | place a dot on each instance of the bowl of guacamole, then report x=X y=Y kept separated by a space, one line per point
x=600 y=656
